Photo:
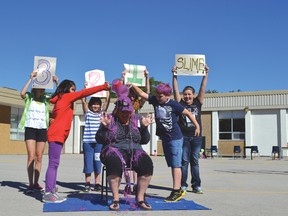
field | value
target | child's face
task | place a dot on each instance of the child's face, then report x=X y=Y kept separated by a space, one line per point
x=161 y=98
x=188 y=96
x=72 y=88
x=38 y=92
x=96 y=107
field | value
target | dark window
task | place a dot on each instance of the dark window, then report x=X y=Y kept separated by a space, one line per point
x=232 y=129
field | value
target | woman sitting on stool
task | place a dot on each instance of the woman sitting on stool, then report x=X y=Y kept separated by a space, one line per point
x=122 y=134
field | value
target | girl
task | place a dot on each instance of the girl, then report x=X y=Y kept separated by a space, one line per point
x=62 y=115
x=35 y=120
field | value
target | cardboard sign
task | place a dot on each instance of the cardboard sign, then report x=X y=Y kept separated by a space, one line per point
x=135 y=74
x=46 y=67
x=190 y=65
x=94 y=78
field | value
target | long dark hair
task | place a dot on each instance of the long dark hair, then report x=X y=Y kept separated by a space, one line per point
x=63 y=87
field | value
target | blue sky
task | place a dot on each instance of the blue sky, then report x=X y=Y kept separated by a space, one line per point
x=245 y=41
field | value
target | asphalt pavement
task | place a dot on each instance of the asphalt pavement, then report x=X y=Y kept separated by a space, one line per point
x=243 y=187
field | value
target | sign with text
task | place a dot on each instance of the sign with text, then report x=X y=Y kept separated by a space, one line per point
x=46 y=67
x=135 y=74
x=190 y=64
x=94 y=78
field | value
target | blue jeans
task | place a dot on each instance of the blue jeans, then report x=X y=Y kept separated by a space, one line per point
x=191 y=149
x=92 y=163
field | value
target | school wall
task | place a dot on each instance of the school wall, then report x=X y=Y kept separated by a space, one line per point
x=226 y=147
x=8 y=146
x=206 y=119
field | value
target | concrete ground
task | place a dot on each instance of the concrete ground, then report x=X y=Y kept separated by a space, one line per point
x=257 y=187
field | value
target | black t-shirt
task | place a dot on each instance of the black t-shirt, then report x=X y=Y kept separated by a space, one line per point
x=187 y=127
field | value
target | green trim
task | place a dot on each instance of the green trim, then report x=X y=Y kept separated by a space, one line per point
x=28 y=99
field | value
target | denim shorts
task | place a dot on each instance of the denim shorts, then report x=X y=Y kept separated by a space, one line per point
x=173 y=152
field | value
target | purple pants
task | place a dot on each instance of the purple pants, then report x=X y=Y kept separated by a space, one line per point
x=54 y=152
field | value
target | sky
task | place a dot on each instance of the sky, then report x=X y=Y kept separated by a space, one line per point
x=245 y=42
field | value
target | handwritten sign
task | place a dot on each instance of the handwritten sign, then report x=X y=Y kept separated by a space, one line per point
x=135 y=74
x=190 y=65
x=94 y=78
x=46 y=67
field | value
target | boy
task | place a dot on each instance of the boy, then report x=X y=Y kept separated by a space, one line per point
x=167 y=112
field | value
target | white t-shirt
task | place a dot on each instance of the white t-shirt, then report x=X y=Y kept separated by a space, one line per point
x=36 y=116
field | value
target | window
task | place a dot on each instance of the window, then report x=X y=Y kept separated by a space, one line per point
x=231 y=126
x=15 y=132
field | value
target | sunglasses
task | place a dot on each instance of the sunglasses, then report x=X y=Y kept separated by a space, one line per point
x=122 y=104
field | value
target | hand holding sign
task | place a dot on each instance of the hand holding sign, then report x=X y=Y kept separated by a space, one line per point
x=190 y=65
x=45 y=67
x=135 y=74
x=95 y=78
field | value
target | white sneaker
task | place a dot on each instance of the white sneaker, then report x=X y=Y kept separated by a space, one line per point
x=52 y=198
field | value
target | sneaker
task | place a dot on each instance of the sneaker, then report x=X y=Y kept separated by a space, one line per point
x=30 y=190
x=52 y=198
x=175 y=196
x=97 y=187
x=87 y=188
x=197 y=190
x=184 y=188
x=38 y=187
x=55 y=192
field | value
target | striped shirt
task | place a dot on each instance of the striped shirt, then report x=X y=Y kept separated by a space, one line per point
x=92 y=124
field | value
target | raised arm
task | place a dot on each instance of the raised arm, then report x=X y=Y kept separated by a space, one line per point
x=202 y=88
x=176 y=92
x=107 y=101
x=56 y=80
x=84 y=102
x=147 y=83
x=139 y=91
x=25 y=88
x=122 y=79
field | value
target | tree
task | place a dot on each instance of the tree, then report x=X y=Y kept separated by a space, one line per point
x=211 y=91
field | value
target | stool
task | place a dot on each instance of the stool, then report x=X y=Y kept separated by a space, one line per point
x=106 y=185
x=104 y=175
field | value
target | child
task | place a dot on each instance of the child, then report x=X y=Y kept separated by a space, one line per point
x=62 y=115
x=191 y=144
x=91 y=149
x=167 y=112
x=35 y=120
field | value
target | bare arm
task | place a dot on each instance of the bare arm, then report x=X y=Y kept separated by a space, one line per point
x=84 y=102
x=176 y=92
x=84 y=105
x=139 y=91
x=56 y=80
x=107 y=101
x=193 y=119
x=202 y=89
x=146 y=74
x=122 y=79
x=25 y=88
